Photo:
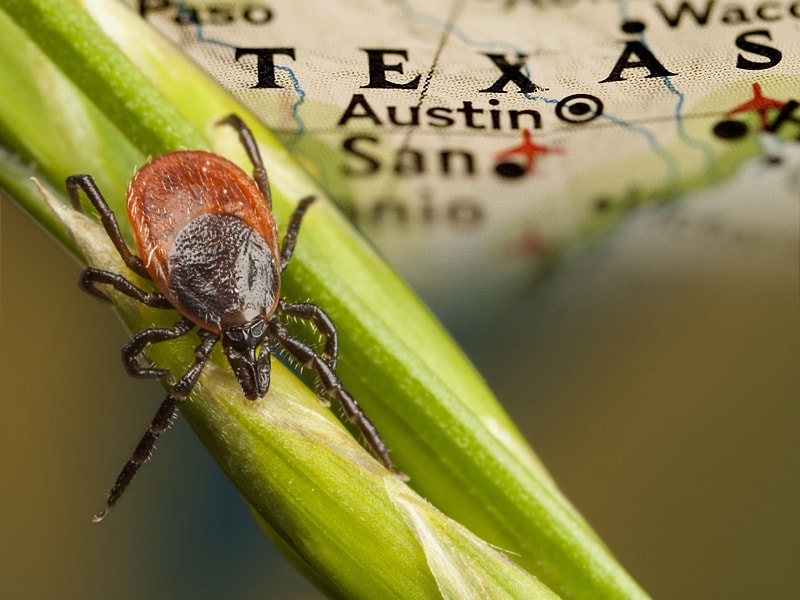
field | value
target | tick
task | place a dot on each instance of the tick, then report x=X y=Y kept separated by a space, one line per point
x=206 y=237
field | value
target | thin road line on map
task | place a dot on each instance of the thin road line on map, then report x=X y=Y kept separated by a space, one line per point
x=455 y=12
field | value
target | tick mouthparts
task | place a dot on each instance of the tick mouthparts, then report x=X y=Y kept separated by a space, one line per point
x=246 y=370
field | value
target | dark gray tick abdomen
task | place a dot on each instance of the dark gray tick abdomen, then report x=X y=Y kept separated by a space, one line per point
x=222 y=271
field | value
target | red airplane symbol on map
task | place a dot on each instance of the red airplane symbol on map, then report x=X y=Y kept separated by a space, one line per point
x=529 y=150
x=758 y=104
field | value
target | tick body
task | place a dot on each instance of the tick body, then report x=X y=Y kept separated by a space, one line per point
x=206 y=237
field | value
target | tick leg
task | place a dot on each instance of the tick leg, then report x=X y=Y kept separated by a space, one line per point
x=89 y=187
x=250 y=146
x=309 y=358
x=90 y=277
x=132 y=350
x=260 y=177
x=161 y=421
x=287 y=248
x=323 y=323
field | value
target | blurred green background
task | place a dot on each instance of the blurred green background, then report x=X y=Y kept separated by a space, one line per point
x=655 y=372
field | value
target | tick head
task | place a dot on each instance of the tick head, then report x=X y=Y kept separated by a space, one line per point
x=252 y=367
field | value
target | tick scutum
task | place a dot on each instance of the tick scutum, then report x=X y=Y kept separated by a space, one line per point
x=222 y=273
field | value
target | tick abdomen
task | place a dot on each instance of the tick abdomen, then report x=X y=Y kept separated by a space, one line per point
x=221 y=272
x=171 y=190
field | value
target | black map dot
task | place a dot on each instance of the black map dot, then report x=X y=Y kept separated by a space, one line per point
x=633 y=27
x=730 y=130
x=579 y=108
x=511 y=170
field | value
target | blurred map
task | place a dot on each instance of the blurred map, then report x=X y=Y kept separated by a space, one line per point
x=477 y=142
